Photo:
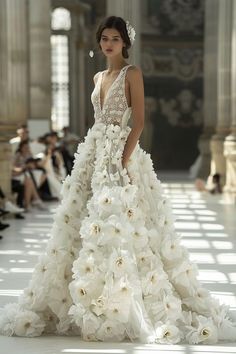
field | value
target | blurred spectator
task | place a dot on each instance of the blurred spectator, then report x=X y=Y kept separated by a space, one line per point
x=22 y=135
x=69 y=144
x=21 y=177
x=213 y=184
x=7 y=205
x=36 y=146
x=53 y=163
x=39 y=177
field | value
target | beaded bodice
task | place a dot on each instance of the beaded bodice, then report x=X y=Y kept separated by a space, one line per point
x=115 y=109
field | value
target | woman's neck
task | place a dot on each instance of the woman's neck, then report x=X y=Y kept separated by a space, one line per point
x=115 y=65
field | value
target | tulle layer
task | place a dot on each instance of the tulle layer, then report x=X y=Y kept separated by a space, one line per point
x=114 y=267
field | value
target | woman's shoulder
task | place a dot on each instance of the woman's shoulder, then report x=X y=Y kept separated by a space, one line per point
x=134 y=73
x=96 y=76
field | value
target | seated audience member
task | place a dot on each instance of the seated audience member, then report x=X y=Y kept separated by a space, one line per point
x=8 y=206
x=69 y=143
x=54 y=166
x=39 y=177
x=22 y=135
x=22 y=177
x=36 y=145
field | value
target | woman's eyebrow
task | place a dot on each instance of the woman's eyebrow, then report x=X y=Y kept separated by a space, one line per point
x=103 y=35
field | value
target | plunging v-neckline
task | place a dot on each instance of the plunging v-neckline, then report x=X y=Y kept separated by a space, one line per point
x=108 y=91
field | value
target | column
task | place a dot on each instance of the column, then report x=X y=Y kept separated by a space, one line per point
x=230 y=141
x=40 y=66
x=78 y=109
x=129 y=11
x=223 y=74
x=210 y=85
x=14 y=106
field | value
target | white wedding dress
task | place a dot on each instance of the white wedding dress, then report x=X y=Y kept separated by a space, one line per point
x=114 y=268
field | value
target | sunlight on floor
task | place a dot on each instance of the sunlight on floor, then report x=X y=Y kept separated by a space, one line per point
x=102 y=351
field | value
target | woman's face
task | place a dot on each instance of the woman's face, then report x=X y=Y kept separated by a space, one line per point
x=111 y=42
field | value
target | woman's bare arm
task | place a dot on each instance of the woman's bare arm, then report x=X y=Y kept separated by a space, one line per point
x=135 y=79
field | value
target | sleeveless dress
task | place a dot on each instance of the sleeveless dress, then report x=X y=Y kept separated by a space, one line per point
x=114 y=268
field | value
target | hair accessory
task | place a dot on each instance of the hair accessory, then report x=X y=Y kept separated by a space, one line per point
x=131 y=32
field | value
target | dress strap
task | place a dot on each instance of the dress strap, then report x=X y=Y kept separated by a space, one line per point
x=125 y=68
x=123 y=74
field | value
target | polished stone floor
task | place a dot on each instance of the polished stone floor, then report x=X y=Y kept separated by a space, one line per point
x=208 y=227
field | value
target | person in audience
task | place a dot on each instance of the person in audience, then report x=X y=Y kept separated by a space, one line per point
x=22 y=176
x=68 y=143
x=22 y=135
x=40 y=178
x=53 y=164
x=36 y=146
x=8 y=206
x=213 y=184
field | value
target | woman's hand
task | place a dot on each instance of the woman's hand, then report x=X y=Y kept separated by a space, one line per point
x=124 y=163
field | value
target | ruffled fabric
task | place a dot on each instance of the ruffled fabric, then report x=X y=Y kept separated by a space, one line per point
x=114 y=267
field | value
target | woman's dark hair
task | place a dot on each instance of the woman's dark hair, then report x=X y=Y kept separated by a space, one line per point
x=119 y=24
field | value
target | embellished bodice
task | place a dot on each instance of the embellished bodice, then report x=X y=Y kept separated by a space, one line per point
x=115 y=109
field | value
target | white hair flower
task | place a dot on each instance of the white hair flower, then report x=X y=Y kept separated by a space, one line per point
x=131 y=32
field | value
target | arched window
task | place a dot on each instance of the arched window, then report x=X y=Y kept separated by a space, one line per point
x=60 y=25
x=61 y=19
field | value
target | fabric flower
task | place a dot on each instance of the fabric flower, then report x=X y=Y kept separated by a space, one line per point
x=108 y=201
x=205 y=332
x=120 y=262
x=145 y=259
x=112 y=131
x=99 y=305
x=7 y=318
x=154 y=240
x=91 y=324
x=118 y=309
x=200 y=301
x=84 y=290
x=59 y=300
x=33 y=298
x=91 y=229
x=170 y=248
x=44 y=271
x=111 y=331
x=226 y=327
x=128 y=194
x=66 y=186
x=115 y=232
x=154 y=281
x=171 y=308
x=84 y=266
x=122 y=288
x=140 y=238
x=76 y=313
x=185 y=275
x=167 y=333
x=64 y=325
x=50 y=319
x=28 y=324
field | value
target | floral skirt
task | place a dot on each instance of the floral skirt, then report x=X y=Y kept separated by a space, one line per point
x=114 y=268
